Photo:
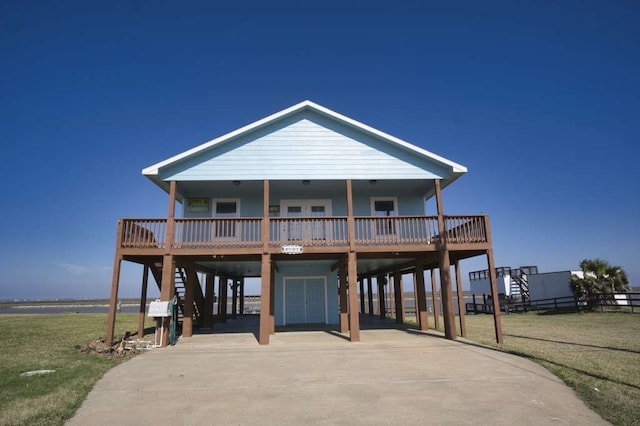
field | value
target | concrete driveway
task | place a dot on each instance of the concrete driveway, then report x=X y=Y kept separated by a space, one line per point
x=394 y=376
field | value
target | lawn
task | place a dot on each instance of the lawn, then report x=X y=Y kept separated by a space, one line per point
x=597 y=354
x=48 y=342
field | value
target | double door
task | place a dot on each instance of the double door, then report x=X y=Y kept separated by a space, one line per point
x=305 y=300
x=308 y=226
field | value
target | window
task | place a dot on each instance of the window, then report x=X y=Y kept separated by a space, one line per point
x=384 y=207
x=225 y=209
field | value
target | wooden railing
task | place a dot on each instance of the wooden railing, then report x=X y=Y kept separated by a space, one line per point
x=305 y=231
x=216 y=232
x=465 y=229
x=396 y=230
x=309 y=231
x=143 y=233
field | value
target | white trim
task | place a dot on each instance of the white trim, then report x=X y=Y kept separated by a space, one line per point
x=215 y=201
x=304 y=278
x=154 y=169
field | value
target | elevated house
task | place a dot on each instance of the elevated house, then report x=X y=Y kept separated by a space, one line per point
x=315 y=204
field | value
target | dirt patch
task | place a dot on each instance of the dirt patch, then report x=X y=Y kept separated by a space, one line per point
x=123 y=348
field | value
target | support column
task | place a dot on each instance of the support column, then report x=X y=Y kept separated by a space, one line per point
x=189 y=289
x=354 y=319
x=208 y=300
x=461 y=310
x=399 y=296
x=381 y=296
x=113 y=300
x=234 y=300
x=362 y=296
x=272 y=300
x=415 y=298
x=167 y=292
x=342 y=292
x=266 y=272
x=265 y=300
x=434 y=299
x=370 y=294
x=143 y=302
x=421 y=302
x=494 y=283
x=242 y=296
x=445 y=270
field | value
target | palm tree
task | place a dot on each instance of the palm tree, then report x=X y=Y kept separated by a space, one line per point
x=599 y=278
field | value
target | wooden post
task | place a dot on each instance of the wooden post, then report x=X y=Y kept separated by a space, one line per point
x=143 y=301
x=265 y=300
x=354 y=319
x=265 y=272
x=208 y=300
x=381 y=296
x=167 y=292
x=494 y=283
x=434 y=299
x=415 y=298
x=342 y=292
x=362 y=296
x=242 y=296
x=113 y=301
x=461 y=310
x=421 y=302
x=224 y=297
x=189 y=289
x=399 y=296
x=234 y=299
x=445 y=270
x=370 y=294
x=272 y=300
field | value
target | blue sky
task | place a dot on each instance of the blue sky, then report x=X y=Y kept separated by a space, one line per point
x=539 y=99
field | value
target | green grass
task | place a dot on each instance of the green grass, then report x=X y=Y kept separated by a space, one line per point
x=597 y=354
x=38 y=342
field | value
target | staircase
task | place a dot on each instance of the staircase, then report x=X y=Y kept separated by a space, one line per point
x=181 y=277
x=519 y=285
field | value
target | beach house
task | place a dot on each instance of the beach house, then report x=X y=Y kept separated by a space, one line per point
x=315 y=204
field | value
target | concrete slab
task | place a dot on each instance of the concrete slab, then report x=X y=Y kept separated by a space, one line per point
x=317 y=377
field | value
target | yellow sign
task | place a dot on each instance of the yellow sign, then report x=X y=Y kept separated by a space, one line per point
x=197 y=205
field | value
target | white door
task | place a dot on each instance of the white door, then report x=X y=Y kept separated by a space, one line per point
x=305 y=229
x=305 y=300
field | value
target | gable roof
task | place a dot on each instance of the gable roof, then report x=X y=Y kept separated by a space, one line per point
x=454 y=170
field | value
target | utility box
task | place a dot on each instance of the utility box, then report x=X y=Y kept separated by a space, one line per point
x=159 y=309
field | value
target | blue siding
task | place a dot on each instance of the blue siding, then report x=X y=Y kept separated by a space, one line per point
x=305 y=146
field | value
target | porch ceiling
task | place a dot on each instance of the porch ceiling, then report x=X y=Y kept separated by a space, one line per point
x=187 y=189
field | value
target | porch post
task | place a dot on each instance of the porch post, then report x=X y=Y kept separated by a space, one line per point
x=370 y=294
x=115 y=282
x=234 y=298
x=167 y=292
x=208 y=299
x=265 y=300
x=399 y=295
x=342 y=291
x=143 y=301
x=272 y=300
x=461 y=310
x=434 y=299
x=362 y=296
x=354 y=319
x=494 y=284
x=381 y=296
x=445 y=270
x=242 y=296
x=415 y=298
x=189 y=289
x=265 y=272
x=168 y=286
x=421 y=303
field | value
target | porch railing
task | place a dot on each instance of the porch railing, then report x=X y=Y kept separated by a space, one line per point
x=216 y=232
x=305 y=231
x=309 y=231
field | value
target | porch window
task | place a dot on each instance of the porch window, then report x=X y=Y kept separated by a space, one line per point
x=225 y=209
x=381 y=208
